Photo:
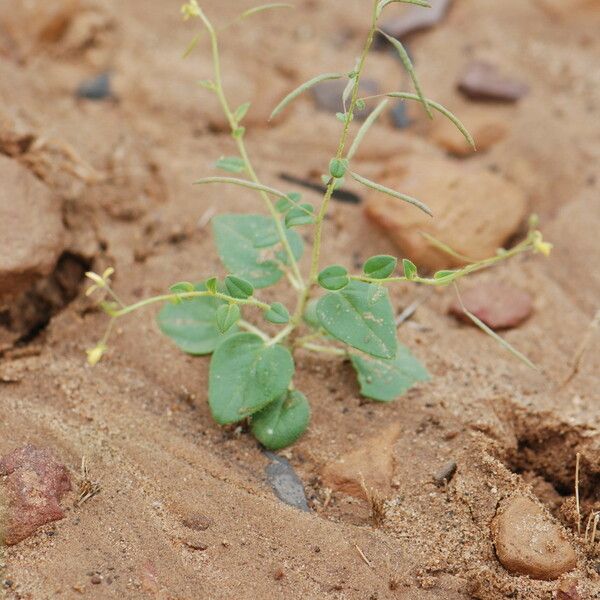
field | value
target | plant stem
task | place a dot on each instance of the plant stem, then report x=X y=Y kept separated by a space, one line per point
x=186 y=295
x=243 y=324
x=324 y=349
x=239 y=139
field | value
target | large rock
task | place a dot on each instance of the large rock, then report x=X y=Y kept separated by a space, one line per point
x=31 y=229
x=529 y=542
x=371 y=466
x=475 y=211
x=35 y=482
x=483 y=81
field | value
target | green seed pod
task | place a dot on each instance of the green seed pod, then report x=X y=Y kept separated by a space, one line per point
x=337 y=167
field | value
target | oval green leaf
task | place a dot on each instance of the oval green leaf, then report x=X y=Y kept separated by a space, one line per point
x=385 y=380
x=245 y=376
x=380 y=267
x=238 y=287
x=192 y=324
x=360 y=315
x=282 y=422
x=278 y=314
x=333 y=278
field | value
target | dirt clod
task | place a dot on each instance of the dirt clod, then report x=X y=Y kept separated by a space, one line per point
x=529 y=542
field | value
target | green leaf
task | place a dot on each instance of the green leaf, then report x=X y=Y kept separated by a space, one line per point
x=192 y=324
x=182 y=287
x=238 y=133
x=386 y=190
x=284 y=204
x=241 y=111
x=385 y=380
x=333 y=278
x=245 y=376
x=227 y=316
x=361 y=316
x=440 y=108
x=278 y=314
x=380 y=267
x=405 y=58
x=300 y=215
x=410 y=269
x=232 y=164
x=241 y=240
x=282 y=422
x=301 y=89
x=211 y=284
x=238 y=287
x=443 y=274
x=338 y=167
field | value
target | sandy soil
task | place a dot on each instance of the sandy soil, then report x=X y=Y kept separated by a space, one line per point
x=123 y=170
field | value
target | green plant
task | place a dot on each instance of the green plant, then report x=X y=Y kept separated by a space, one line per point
x=251 y=371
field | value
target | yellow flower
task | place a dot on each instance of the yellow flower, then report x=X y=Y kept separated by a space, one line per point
x=190 y=9
x=95 y=354
x=539 y=245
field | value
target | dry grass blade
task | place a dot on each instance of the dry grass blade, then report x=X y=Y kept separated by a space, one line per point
x=87 y=488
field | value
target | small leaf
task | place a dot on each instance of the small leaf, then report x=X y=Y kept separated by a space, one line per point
x=245 y=376
x=403 y=54
x=192 y=324
x=300 y=215
x=301 y=89
x=365 y=126
x=238 y=287
x=238 y=133
x=282 y=422
x=227 y=316
x=284 y=204
x=182 y=287
x=232 y=164
x=340 y=116
x=361 y=316
x=443 y=274
x=334 y=278
x=207 y=84
x=241 y=240
x=385 y=190
x=192 y=45
x=211 y=284
x=385 y=380
x=278 y=314
x=338 y=167
x=410 y=269
x=380 y=267
x=442 y=109
x=241 y=111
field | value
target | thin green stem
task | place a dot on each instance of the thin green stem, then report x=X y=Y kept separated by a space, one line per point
x=187 y=295
x=324 y=349
x=243 y=324
x=239 y=139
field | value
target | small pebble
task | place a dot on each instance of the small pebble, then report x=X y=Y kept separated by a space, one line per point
x=416 y=18
x=483 y=81
x=96 y=88
x=96 y=579
x=285 y=483
x=445 y=474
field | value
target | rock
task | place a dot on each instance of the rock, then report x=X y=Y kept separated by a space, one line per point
x=567 y=590
x=96 y=88
x=400 y=115
x=34 y=485
x=529 y=542
x=483 y=81
x=31 y=229
x=196 y=521
x=370 y=466
x=499 y=305
x=285 y=483
x=416 y=18
x=328 y=95
x=445 y=474
x=487 y=130
x=475 y=211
